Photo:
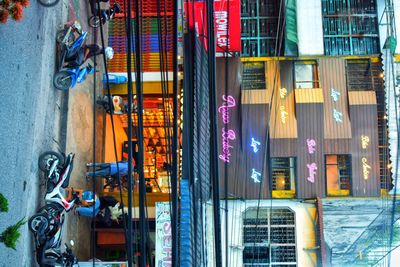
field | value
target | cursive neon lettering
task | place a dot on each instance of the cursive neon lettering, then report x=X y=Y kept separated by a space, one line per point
x=224 y=108
x=226 y=136
x=312 y=171
x=365 y=168
x=311 y=146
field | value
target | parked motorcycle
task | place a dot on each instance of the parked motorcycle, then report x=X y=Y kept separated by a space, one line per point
x=47 y=255
x=72 y=57
x=47 y=223
x=48 y=3
x=58 y=171
x=106 y=15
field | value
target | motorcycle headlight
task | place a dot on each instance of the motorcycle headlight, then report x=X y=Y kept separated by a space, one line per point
x=78 y=26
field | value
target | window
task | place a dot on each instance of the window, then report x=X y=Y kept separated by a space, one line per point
x=259 y=21
x=350 y=27
x=253 y=76
x=359 y=75
x=306 y=74
x=338 y=174
x=269 y=237
x=283 y=176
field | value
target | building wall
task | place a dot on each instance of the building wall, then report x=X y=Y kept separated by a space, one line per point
x=305 y=218
x=309 y=115
x=309 y=27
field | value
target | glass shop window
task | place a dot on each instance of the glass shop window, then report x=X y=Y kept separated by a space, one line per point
x=338 y=175
x=306 y=74
x=283 y=177
x=269 y=237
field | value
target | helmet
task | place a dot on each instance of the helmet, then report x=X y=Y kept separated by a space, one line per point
x=88 y=198
x=109 y=52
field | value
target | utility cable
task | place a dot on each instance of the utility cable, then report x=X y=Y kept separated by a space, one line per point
x=110 y=104
x=139 y=92
x=93 y=239
x=213 y=133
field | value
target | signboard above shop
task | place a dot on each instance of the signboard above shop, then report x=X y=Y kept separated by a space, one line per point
x=226 y=23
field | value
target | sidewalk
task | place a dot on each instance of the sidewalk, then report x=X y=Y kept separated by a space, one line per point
x=80 y=134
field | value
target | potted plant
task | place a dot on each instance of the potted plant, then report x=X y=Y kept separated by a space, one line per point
x=11 y=235
x=13 y=9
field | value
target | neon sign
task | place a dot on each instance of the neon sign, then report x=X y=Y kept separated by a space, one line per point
x=229 y=102
x=284 y=114
x=255 y=144
x=312 y=171
x=364 y=141
x=365 y=167
x=282 y=92
x=256 y=176
x=337 y=115
x=335 y=95
x=311 y=146
x=312 y=167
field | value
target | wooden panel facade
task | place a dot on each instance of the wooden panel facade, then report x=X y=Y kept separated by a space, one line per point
x=364 y=149
x=306 y=124
x=333 y=82
x=280 y=81
x=310 y=152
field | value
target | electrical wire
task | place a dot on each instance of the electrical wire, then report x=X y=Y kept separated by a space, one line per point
x=113 y=128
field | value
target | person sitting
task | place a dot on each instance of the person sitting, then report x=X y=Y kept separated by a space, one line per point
x=106 y=208
x=79 y=57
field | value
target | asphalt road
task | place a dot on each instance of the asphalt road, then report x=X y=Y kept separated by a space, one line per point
x=32 y=115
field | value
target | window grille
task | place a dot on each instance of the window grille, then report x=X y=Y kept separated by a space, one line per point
x=259 y=21
x=350 y=27
x=359 y=75
x=283 y=173
x=269 y=237
x=253 y=76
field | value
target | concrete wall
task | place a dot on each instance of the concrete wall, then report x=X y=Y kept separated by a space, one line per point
x=309 y=27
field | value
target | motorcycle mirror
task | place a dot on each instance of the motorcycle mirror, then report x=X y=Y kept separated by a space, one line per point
x=72 y=243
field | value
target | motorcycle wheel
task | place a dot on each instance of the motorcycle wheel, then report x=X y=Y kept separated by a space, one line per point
x=48 y=3
x=47 y=158
x=62 y=80
x=37 y=221
x=94 y=21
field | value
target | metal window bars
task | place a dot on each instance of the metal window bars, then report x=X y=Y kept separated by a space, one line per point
x=350 y=27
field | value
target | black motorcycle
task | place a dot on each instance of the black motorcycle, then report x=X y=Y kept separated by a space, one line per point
x=48 y=256
x=106 y=14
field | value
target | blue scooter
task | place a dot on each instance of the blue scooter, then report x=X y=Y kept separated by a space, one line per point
x=71 y=73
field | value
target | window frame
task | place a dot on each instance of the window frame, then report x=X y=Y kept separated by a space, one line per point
x=349 y=164
x=293 y=182
x=315 y=71
x=269 y=225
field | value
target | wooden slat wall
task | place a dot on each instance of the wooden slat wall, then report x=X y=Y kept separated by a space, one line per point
x=364 y=122
x=281 y=76
x=310 y=119
x=333 y=75
x=254 y=125
x=230 y=172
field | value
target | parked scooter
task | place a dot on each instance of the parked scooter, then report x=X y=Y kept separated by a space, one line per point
x=106 y=15
x=72 y=57
x=47 y=255
x=58 y=173
x=47 y=223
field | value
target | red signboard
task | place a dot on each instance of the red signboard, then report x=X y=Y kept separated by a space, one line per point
x=226 y=23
